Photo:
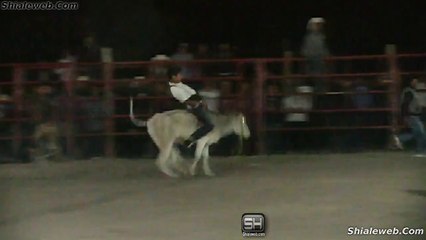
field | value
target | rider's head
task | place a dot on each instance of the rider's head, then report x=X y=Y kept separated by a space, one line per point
x=174 y=74
x=413 y=83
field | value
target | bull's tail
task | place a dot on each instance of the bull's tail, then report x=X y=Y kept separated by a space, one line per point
x=137 y=122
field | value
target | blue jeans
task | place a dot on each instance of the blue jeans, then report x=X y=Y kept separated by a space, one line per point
x=417 y=132
x=202 y=116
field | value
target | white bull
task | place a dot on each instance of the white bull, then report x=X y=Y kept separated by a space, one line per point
x=171 y=127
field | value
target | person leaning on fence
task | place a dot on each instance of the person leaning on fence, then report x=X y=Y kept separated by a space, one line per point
x=46 y=133
x=411 y=111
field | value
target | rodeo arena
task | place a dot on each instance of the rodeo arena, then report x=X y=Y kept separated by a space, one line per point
x=183 y=146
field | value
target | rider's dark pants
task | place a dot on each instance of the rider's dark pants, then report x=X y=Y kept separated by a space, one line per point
x=207 y=126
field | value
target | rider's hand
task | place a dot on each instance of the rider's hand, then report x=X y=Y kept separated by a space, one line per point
x=192 y=103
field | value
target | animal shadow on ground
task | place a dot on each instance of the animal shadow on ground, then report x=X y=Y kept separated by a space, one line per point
x=421 y=193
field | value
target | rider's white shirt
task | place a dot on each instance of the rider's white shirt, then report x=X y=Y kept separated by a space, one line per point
x=181 y=91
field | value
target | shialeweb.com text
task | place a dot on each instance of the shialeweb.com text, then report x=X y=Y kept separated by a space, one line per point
x=46 y=5
x=385 y=231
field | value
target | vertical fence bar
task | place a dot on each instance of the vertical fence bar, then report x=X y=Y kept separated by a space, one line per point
x=69 y=104
x=390 y=51
x=288 y=55
x=259 y=103
x=17 y=97
x=239 y=69
x=287 y=70
x=108 y=69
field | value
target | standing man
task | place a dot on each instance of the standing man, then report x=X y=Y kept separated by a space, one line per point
x=314 y=49
x=411 y=111
x=188 y=96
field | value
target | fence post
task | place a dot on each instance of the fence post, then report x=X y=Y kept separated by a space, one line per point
x=288 y=62
x=17 y=97
x=108 y=69
x=287 y=71
x=259 y=103
x=70 y=105
x=390 y=51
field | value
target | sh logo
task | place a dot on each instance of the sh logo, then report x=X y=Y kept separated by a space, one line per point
x=253 y=225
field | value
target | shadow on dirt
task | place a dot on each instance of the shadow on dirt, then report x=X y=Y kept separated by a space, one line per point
x=421 y=193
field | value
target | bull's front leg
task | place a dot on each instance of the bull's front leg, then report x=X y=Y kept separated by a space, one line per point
x=178 y=162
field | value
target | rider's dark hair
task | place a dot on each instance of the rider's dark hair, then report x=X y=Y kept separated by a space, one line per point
x=173 y=71
x=407 y=81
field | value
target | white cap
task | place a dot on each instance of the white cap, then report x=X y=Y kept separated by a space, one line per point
x=83 y=78
x=314 y=20
x=304 y=89
x=317 y=20
x=160 y=57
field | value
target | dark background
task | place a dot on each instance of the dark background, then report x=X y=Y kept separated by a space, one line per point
x=137 y=30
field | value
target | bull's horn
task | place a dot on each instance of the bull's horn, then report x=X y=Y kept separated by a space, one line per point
x=137 y=122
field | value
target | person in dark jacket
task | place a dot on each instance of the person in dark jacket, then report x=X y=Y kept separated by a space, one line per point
x=411 y=111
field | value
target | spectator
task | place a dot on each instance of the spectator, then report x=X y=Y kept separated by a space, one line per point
x=6 y=109
x=296 y=139
x=272 y=97
x=46 y=133
x=299 y=102
x=136 y=144
x=90 y=53
x=225 y=53
x=5 y=105
x=162 y=103
x=411 y=111
x=361 y=99
x=245 y=98
x=159 y=69
x=314 y=49
x=183 y=55
x=203 y=53
x=42 y=103
x=96 y=112
x=274 y=141
x=245 y=105
x=80 y=115
x=63 y=109
x=46 y=136
x=64 y=73
x=227 y=103
x=210 y=95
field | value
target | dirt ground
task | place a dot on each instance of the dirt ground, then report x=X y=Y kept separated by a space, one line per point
x=302 y=196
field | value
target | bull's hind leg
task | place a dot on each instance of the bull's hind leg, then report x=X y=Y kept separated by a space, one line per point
x=164 y=147
x=162 y=160
x=198 y=153
x=206 y=167
x=178 y=162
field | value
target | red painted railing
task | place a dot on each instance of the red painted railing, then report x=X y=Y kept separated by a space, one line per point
x=109 y=79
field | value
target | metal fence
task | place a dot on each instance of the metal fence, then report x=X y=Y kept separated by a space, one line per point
x=88 y=102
